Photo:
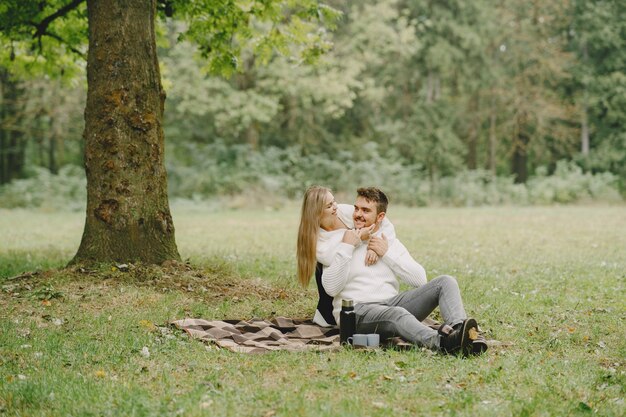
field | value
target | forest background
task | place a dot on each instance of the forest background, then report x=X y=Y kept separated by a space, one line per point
x=439 y=103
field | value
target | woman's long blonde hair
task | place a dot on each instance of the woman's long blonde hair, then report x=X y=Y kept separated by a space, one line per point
x=312 y=207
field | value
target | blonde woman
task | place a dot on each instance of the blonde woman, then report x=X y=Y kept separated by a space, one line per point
x=323 y=223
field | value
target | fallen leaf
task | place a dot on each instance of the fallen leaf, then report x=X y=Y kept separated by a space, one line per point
x=147 y=324
x=100 y=373
x=46 y=303
x=473 y=334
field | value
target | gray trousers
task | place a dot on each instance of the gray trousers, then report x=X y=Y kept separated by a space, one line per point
x=402 y=315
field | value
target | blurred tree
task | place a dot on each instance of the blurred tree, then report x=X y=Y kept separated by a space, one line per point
x=598 y=38
x=452 y=63
x=540 y=120
x=128 y=216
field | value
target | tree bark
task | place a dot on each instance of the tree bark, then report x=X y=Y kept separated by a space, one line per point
x=519 y=160
x=128 y=217
x=472 y=134
x=492 y=137
x=584 y=131
x=12 y=144
x=52 y=160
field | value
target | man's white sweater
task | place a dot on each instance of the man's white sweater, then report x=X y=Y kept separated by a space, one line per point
x=347 y=276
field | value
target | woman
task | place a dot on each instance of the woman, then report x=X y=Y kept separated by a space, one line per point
x=323 y=223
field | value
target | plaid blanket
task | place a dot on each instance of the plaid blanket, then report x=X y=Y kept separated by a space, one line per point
x=260 y=336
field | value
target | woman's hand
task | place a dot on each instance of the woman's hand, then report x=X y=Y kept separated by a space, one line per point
x=378 y=245
x=352 y=237
x=370 y=258
x=366 y=232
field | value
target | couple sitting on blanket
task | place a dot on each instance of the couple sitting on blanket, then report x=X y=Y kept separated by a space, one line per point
x=356 y=256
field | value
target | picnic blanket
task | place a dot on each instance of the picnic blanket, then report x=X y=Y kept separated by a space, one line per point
x=261 y=336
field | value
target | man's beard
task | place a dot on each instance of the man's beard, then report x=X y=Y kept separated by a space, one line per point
x=360 y=220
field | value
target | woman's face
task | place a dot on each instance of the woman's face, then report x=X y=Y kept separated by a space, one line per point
x=329 y=210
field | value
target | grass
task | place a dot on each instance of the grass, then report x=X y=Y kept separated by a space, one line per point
x=548 y=280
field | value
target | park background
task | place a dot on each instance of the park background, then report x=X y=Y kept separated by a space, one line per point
x=451 y=103
x=496 y=128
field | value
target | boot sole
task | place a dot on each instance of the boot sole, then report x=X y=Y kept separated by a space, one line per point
x=470 y=333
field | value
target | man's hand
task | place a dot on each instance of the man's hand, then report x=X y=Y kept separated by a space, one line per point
x=352 y=237
x=370 y=258
x=379 y=245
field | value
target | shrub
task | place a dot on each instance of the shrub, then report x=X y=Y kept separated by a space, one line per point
x=66 y=190
x=569 y=184
x=479 y=188
x=201 y=172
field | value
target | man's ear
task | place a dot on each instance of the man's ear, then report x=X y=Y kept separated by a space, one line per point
x=380 y=217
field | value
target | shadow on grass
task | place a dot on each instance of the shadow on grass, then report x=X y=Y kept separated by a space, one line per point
x=215 y=281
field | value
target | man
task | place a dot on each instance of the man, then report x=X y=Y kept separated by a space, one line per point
x=379 y=308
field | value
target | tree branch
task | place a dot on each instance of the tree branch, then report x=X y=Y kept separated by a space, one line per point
x=67 y=45
x=42 y=27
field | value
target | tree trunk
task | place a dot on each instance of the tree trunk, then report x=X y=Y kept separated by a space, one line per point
x=472 y=134
x=52 y=160
x=252 y=135
x=584 y=131
x=128 y=216
x=492 y=139
x=4 y=157
x=519 y=160
x=12 y=144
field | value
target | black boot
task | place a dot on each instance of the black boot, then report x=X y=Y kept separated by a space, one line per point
x=457 y=340
x=479 y=345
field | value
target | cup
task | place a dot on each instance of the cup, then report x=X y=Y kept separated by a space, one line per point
x=358 y=339
x=373 y=340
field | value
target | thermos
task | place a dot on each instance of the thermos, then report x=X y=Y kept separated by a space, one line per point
x=347 y=321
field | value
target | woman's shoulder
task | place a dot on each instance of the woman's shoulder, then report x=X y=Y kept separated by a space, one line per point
x=345 y=208
x=344 y=212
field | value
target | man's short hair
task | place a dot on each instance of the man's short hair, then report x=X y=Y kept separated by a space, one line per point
x=376 y=195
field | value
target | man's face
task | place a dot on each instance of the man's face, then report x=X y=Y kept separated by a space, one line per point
x=365 y=213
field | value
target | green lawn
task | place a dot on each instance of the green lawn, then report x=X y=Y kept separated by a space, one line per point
x=547 y=280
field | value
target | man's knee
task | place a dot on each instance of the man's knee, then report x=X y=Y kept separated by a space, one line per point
x=447 y=281
x=397 y=313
